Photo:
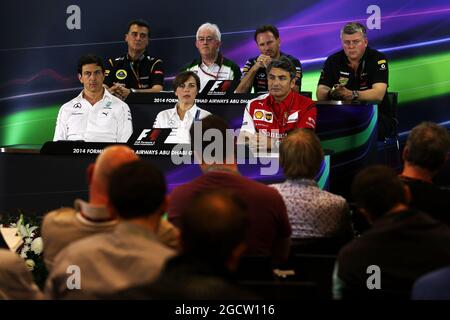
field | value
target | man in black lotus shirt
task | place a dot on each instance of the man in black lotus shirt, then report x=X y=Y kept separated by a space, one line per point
x=358 y=72
x=254 y=77
x=135 y=71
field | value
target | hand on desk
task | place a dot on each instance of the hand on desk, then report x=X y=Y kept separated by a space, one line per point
x=340 y=92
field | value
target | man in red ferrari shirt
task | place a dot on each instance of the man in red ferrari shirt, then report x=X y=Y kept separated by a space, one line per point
x=281 y=110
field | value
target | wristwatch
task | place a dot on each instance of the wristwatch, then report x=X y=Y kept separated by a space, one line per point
x=355 y=95
x=133 y=90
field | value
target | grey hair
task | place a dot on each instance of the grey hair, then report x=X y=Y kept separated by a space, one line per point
x=210 y=26
x=354 y=27
x=283 y=63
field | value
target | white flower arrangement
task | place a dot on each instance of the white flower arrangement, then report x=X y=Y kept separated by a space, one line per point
x=32 y=244
x=24 y=239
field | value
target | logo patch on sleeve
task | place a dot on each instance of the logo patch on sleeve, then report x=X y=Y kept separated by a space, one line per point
x=293 y=117
x=258 y=115
x=263 y=115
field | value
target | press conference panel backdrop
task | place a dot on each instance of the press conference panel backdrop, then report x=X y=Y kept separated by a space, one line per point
x=42 y=40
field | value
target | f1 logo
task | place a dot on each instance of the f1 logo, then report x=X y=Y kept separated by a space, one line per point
x=144 y=134
x=152 y=137
x=216 y=85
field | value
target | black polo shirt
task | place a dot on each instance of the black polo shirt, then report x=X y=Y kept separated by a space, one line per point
x=373 y=68
x=260 y=81
x=143 y=73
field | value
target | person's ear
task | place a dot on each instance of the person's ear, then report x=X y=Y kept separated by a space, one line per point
x=408 y=194
x=292 y=83
x=164 y=205
x=405 y=153
x=112 y=210
x=235 y=255
x=90 y=173
x=367 y=215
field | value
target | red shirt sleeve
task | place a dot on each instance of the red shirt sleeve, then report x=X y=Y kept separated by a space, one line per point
x=308 y=118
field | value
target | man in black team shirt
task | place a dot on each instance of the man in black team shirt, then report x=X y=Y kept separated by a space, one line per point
x=360 y=73
x=135 y=71
x=268 y=41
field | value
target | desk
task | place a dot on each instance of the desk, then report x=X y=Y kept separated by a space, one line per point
x=36 y=183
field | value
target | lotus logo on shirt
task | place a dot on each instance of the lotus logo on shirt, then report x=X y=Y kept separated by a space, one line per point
x=343 y=81
x=121 y=74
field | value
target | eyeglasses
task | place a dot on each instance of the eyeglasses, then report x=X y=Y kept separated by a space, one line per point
x=355 y=43
x=206 y=39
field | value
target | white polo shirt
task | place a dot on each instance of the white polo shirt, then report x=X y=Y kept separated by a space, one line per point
x=180 y=128
x=221 y=69
x=108 y=120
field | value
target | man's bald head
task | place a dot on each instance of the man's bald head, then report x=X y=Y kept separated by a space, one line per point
x=111 y=158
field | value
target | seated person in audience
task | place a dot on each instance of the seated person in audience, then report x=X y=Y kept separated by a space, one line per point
x=131 y=254
x=212 y=65
x=94 y=115
x=269 y=228
x=254 y=73
x=402 y=244
x=360 y=73
x=135 y=71
x=313 y=213
x=67 y=225
x=213 y=239
x=433 y=286
x=424 y=155
x=16 y=281
x=273 y=115
x=180 y=118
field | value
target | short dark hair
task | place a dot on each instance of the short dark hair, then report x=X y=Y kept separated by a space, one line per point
x=378 y=189
x=267 y=28
x=89 y=59
x=213 y=122
x=427 y=146
x=136 y=189
x=140 y=23
x=182 y=78
x=283 y=63
x=301 y=154
x=213 y=224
